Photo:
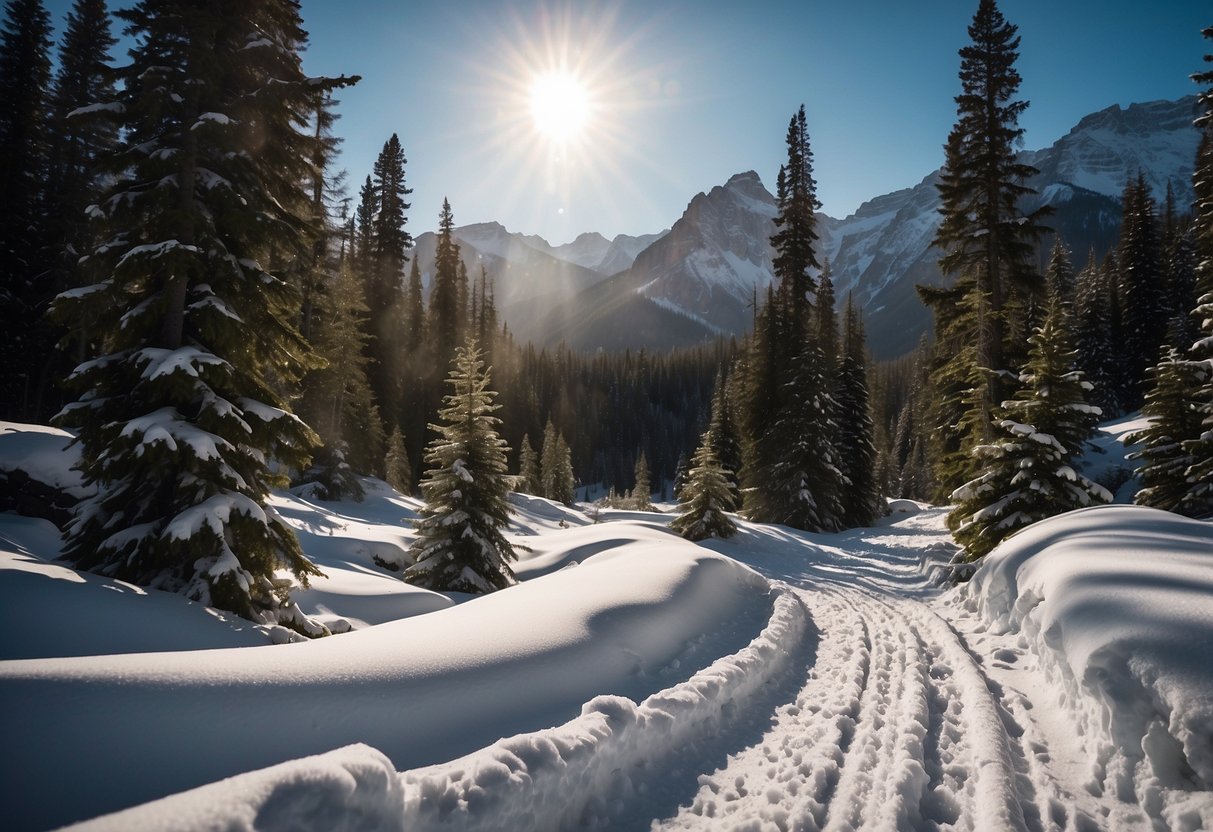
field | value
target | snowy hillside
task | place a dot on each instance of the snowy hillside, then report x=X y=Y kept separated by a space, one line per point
x=778 y=679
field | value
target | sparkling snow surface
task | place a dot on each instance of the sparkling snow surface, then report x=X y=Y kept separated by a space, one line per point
x=776 y=680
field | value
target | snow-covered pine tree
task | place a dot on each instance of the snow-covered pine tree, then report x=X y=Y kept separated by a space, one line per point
x=860 y=490
x=642 y=490
x=396 y=468
x=1028 y=474
x=1199 y=499
x=705 y=497
x=182 y=414
x=797 y=467
x=25 y=73
x=1173 y=417
x=459 y=545
x=529 y=479
x=556 y=467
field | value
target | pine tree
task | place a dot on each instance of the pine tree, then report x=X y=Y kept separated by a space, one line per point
x=397 y=471
x=444 y=318
x=414 y=311
x=1198 y=502
x=1181 y=286
x=860 y=489
x=705 y=498
x=1173 y=417
x=643 y=488
x=1142 y=288
x=826 y=323
x=796 y=223
x=338 y=396
x=529 y=479
x=25 y=72
x=1028 y=474
x=459 y=545
x=1059 y=277
x=185 y=406
x=987 y=242
x=1092 y=321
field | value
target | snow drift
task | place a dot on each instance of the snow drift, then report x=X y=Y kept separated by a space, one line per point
x=1117 y=602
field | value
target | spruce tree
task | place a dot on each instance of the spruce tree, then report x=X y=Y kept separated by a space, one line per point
x=860 y=489
x=1198 y=502
x=549 y=462
x=459 y=545
x=1173 y=416
x=795 y=222
x=25 y=72
x=397 y=471
x=414 y=311
x=1059 y=277
x=987 y=242
x=1028 y=474
x=643 y=488
x=1142 y=288
x=826 y=323
x=1181 y=287
x=444 y=317
x=529 y=479
x=705 y=498
x=183 y=410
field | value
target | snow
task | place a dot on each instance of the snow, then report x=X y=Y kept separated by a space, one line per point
x=776 y=679
x=43 y=453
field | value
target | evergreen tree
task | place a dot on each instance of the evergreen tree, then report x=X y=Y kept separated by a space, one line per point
x=1173 y=417
x=1096 y=354
x=185 y=406
x=798 y=465
x=987 y=242
x=860 y=489
x=1028 y=474
x=705 y=498
x=459 y=545
x=529 y=479
x=726 y=438
x=414 y=311
x=643 y=489
x=1059 y=277
x=397 y=471
x=1181 y=286
x=826 y=323
x=76 y=141
x=556 y=466
x=444 y=293
x=1142 y=287
x=796 y=196
x=1199 y=500
x=338 y=396
x=25 y=71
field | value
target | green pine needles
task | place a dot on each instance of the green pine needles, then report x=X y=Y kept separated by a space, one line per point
x=459 y=546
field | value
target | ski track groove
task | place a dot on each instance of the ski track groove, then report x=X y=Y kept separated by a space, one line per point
x=897 y=728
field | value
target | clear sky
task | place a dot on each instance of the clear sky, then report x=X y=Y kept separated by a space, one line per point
x=683 y=94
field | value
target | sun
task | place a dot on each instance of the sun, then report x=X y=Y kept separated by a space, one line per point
x=560 y=105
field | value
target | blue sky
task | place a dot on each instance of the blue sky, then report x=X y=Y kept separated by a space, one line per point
x=685 y=94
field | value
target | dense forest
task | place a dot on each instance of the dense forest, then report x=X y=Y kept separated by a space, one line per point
x=190 y=287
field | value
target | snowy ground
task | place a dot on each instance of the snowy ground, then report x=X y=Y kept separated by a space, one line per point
x=777 y=680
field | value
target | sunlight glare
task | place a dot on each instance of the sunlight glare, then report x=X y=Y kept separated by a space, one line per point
x=560 y=105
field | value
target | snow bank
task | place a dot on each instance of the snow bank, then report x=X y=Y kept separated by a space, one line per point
x=125 y=729
x=1117 y=602
x=352 y=788
x=548 y=779
x=42 y=453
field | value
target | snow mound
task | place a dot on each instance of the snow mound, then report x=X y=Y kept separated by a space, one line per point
x=628 y=622
x=352 y=788
x=548 y=779
x=1117 y=603
x=42 y=453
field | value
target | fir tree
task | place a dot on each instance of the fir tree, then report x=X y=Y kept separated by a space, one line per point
x=444 y=293
x=987 y=242
x=860 y=489
x=1092 y=322
x=414 y=311
x=1173 y=417
x=397 y=471
x=796 y=223
x=1181 y=286
x=529 y=479
x=459 y=545
x=556 y=467
x=705 y=498
x=1198 y=502
x=1059 y=277
x=183 y=409
x=1028 y=475
x=643 y=488
x=1142 y=288
x=25 y=71
x=826 y=323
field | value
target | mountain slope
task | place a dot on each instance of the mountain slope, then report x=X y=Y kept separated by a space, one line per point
x=717 y=256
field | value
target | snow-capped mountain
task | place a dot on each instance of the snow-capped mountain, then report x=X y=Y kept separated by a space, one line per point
x=717 y=255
